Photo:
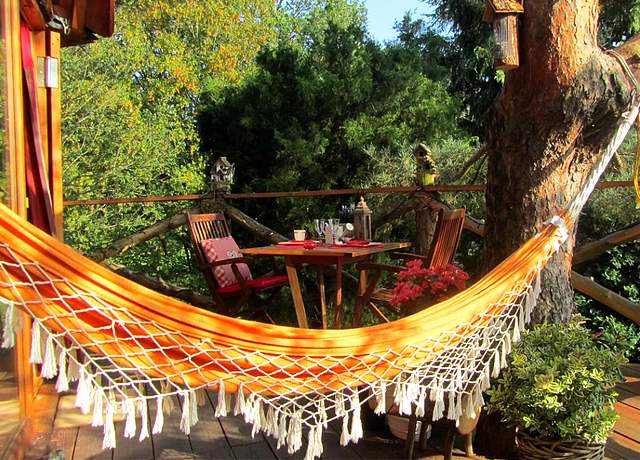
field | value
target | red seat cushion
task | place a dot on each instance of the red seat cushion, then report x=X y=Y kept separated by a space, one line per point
x=257 y=284
x=221 y=249
x=269 y=281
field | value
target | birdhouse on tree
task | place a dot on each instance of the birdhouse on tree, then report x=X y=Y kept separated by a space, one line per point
x=222 y=173
x=503 y=14
x=426 y=171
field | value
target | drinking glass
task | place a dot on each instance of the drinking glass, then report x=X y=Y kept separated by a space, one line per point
x=334 y=225
x=319 y=225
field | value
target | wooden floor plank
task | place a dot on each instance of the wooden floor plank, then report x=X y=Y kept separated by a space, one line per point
x=282 y=453
x=631 y=370
x=207 y=437
x=628 y=398
x=130 y=448
x=237 y=432
x=171 y=439
x=621 y=448
x=256 y=451
x=89 y=445
x=64 y=441
x=629 y=423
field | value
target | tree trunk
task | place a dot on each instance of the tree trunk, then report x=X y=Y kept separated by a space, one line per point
x=548 y=127
x=426 y=219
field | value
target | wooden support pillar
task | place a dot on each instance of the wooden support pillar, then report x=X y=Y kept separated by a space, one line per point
x=54 y=141
x=425 y=227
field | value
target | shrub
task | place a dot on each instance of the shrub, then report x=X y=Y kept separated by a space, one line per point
x=559 y=385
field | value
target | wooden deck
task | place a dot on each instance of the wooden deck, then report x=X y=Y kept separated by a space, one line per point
x=229 y=438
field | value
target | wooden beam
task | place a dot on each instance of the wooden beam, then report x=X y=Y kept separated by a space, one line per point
x=471 y=224
x=99 y=17
x=606 y=297
x=253 y=226
x=311 y=193
x=129 y=241
x=146 y=199
x=595 y=248
x=32 y=14
x=54 y=101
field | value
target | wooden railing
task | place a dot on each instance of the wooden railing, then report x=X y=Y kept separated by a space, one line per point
x=421 y=198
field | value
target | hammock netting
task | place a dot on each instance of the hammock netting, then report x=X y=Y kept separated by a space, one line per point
x=129 y=347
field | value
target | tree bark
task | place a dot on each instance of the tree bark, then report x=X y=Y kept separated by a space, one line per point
x=556 y=113
x=129 y=241
x=253 y=226
x=426 y=219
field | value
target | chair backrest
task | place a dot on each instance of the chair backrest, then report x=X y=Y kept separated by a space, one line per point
x=446 y=237
x=204 y=227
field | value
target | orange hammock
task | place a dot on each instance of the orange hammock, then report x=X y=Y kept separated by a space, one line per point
x=117 y=324
x=127 y=346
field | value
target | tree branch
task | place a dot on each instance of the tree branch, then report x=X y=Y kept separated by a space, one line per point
x=395 y=212
x=253 y=226
x=478 y=154
x=595 y=248
x=157 y=229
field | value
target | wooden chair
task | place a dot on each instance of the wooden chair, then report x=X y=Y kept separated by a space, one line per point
x=231 y=297
x=445 y=242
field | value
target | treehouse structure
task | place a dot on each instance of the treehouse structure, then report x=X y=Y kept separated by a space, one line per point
x=33 y=33
x=131 y=349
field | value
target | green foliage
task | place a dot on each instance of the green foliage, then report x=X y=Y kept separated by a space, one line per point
x=319 y=99
x=470 y=53
x=612 y=331
x=607 y=211
x=619 y=20
x=559 y=385
x=129 y=115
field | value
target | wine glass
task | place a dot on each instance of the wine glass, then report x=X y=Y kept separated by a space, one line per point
x=319 y=225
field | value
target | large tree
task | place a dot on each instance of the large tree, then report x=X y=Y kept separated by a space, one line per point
x=548 y=127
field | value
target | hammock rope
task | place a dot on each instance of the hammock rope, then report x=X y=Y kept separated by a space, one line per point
x=129 y=348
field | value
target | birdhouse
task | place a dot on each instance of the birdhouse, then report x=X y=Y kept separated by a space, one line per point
x=362 y=221
x=503 y=14
x=222 y=173
x=426 y=171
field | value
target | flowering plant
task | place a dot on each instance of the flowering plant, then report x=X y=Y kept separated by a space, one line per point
x=436 y=282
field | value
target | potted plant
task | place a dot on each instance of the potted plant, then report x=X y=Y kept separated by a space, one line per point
x=418 y=286
x=558 y=393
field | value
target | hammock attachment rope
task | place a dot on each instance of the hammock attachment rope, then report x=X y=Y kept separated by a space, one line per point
x=130 y=348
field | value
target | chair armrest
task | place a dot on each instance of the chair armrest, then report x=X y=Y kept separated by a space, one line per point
x=407 y=256
x=380 y=267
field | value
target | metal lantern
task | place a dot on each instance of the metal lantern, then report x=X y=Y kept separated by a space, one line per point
x=362 y=221
x=222 y=173
x=503 y=14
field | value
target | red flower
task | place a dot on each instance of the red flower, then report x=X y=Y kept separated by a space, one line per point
x=436 y=282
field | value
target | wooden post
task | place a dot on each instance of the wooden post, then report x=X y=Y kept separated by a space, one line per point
x=54 y=109
x=606 y=297
x=425 y=228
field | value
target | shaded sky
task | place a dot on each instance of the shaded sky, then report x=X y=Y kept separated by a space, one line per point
x=383 y=14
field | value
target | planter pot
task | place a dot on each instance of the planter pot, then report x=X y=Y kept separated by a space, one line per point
x=530 y=448
x=399 y=426
x=414 y=306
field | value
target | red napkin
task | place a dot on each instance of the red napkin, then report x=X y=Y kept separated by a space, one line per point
x=358 y=243
x=303 y=243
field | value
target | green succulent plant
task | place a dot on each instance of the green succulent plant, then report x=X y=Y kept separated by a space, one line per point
x=559 y=385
